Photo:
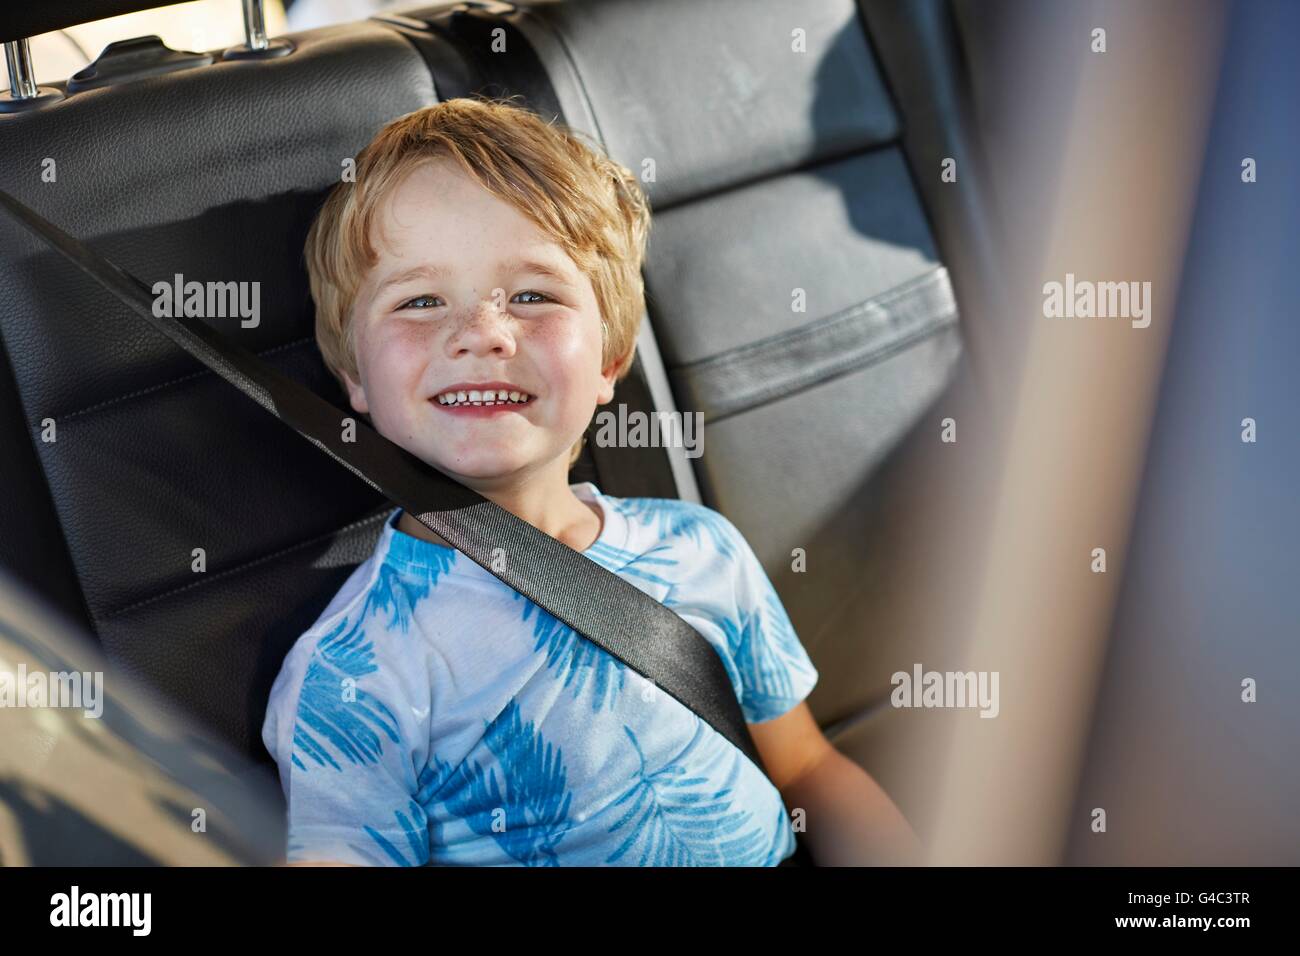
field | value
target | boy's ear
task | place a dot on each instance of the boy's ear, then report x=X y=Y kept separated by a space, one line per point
x=610 y=376
x=356 y=395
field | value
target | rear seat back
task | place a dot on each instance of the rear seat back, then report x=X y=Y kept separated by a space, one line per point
x=781 y=179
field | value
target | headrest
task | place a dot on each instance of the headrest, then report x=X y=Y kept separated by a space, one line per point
x=727 y=91
x=30 y=19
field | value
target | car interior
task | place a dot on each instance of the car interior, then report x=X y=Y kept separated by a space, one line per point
x=812 y=290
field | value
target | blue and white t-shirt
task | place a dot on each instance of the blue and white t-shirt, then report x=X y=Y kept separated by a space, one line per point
x=433 y=715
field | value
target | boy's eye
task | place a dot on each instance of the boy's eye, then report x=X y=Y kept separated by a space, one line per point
x=416 y=303
x=431 y=301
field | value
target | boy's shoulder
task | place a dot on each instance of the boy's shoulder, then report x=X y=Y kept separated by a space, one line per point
x=338 y=633
x=356 y=592
x=359 y=583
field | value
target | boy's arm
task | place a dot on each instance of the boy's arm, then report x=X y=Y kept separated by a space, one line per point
x=851 y=820
x=790 y=745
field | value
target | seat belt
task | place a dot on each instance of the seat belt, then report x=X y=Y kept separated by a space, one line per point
x=609 y=611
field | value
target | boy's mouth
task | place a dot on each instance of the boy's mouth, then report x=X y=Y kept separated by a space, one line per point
x=499 y=397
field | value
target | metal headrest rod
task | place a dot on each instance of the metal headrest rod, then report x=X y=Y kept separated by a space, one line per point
x=256 y=44
x=23 y=93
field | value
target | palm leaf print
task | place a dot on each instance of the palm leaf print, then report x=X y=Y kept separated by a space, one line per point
x=431 y=782
x=352 y=729
x=398 y=591
x=575 y=659
x=533 y=790
x=629 y=564
x=417 y=840
x=782 y=825
x=680 y=820
x=672 y=518
x=382 y=851
x=329 y=724
x=416 y=837
x=768 y=657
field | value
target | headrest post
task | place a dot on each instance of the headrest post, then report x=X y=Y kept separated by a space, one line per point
x=255 y=25
x=23 y=94
x=22 y=81
x=256 y=45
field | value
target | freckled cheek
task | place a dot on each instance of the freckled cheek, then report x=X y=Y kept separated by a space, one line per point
x=397 y=368
x=573 y=374
x=562 y=355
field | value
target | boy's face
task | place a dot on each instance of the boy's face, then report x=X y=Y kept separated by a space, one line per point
x=460 y=294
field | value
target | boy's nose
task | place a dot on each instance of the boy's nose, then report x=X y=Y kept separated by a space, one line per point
x=487 y=310
x=484 y=323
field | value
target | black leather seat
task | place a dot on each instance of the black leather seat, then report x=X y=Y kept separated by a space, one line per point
x=775 y=171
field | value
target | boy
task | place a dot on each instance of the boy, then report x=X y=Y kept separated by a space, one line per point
x=478 y=293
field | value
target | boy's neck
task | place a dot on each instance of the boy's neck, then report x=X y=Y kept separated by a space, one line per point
x=564 y=516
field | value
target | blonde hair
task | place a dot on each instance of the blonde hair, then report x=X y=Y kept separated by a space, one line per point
x=590 y=205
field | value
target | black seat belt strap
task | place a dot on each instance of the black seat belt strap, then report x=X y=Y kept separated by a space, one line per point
x=611 y=612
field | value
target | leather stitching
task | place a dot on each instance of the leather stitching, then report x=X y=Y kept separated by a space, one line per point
x=695 y=377
x=209 y=578
x=175 y=381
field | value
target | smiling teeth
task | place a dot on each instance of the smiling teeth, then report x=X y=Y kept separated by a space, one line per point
x=488 y=397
